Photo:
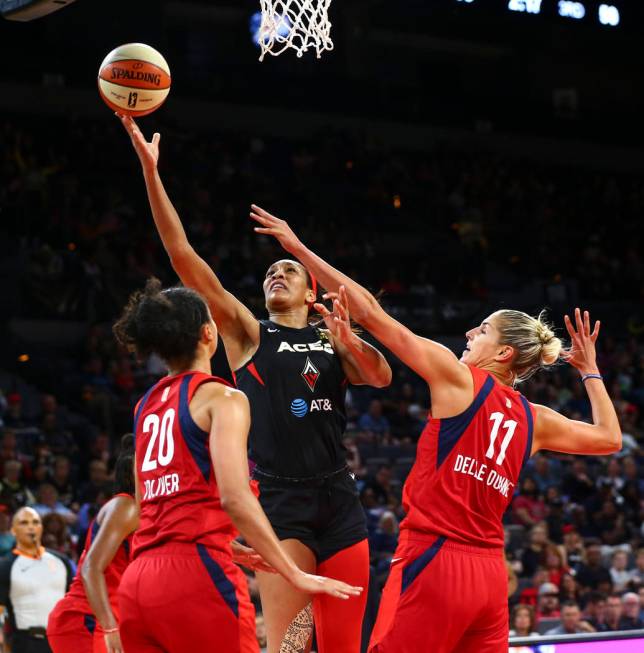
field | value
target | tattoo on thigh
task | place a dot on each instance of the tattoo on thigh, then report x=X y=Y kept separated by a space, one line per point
x=298 y=634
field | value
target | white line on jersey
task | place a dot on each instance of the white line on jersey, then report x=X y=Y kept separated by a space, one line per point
x=164 y=396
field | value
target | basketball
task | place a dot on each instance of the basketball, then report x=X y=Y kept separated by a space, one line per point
x=134 y=79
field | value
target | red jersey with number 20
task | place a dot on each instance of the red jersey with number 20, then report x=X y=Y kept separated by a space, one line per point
x=179 y=497
x=468 y=466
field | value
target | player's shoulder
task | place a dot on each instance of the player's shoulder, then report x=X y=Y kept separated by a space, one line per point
x=220 y=391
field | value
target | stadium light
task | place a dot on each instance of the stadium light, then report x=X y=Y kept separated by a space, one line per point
x=609 y=15
x=569 y=9
x=526 y=6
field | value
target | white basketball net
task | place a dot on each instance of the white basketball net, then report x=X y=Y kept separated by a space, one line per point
x=297 y=24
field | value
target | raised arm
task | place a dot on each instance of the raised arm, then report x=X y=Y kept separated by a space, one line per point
x=429 y=359
x=558 y=433
x=237 y=325
x=230 y=421
x=120 y=519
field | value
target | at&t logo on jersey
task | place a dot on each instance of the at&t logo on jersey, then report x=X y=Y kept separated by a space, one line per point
x=300 y=408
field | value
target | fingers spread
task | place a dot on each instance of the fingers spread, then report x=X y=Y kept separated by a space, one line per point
x=322 y=309
x=578 y=321
x=569 y=327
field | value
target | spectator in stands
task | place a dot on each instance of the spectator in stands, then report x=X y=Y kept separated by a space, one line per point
x=632 y=474
x=595 y=612
x=374 y=423
x=523 y=622
x=405 y=424
x=382 y=488
x=548 y=602
x=569 y=589
x=592 y=574
x=577 y=485
x=534 y=554
x=55 y=534
x=62 y=481
x=7 y=540
x=9 y=450
x=13 y=491
x=47 y=502
x=59 y=440
x=613 y=612
x=630 y=619
x=382 y=544
x=542 y=473
x=638 y=572
x=573 y=547
x=555 y=517
x=613 y=476
x=608 y=523
x=13 y=417
x=555 y=564
x=354 y=460
x=527 y=508
x=97 y=479
x=571 y=621
x=619 y=572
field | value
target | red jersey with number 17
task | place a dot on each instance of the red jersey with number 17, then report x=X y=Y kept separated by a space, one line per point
x=180 y=501
x=467 y=467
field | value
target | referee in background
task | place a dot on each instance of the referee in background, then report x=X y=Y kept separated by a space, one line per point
x=32 y=581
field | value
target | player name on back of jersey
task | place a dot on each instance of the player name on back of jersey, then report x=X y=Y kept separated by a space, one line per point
x=482 y=473
x=161 y=486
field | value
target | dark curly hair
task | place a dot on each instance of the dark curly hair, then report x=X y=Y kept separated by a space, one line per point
x=165 y=322
x=124 y=467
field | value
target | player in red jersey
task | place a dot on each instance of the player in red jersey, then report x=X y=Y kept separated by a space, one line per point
x=86 y=619
x=183 y=593
x=447 y=590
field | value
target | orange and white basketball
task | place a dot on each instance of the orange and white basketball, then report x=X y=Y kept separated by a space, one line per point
x=134 y=79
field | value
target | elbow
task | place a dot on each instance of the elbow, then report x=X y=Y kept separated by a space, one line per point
x=233 y=504
x=383 y=379
x=86 y=570
x=615 y=440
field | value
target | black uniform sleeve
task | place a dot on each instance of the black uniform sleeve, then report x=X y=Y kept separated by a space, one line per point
x=6 y=562
x=68 y=567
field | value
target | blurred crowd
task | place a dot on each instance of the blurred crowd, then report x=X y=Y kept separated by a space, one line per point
x=76 y=238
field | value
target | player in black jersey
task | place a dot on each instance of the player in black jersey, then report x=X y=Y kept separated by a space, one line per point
x=295 y=377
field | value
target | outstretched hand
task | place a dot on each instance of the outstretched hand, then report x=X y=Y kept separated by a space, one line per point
x=148 y=152
x=337 y=322
x=311 y=584
x=272 y=226
x=582 y=354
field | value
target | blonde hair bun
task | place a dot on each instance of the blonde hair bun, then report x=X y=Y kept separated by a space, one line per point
x=532 y=338
x=551 y=346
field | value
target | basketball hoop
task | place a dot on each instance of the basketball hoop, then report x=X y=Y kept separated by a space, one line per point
x=297 y=24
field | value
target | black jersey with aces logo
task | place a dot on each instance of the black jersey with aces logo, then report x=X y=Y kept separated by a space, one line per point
x=296 y=387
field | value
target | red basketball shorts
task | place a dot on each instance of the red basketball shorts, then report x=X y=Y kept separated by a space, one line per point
x=70 y=629
x=182 y=598
x=443 y=597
